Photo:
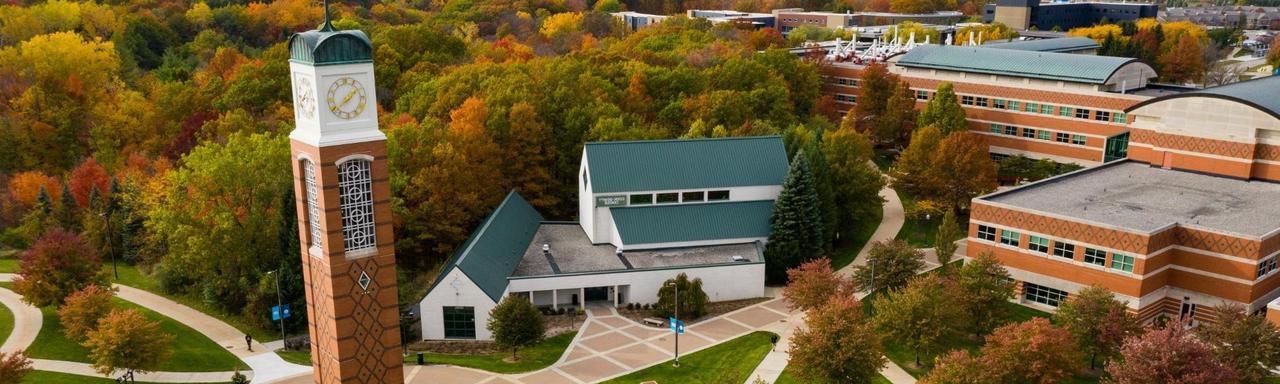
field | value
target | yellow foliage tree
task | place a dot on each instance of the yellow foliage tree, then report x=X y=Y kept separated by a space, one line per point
x=906 y=28
x=987 y=32
x=560 y=24
x=1099 y=32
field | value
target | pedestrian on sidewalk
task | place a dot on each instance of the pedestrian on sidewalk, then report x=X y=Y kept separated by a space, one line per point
x=248 y=340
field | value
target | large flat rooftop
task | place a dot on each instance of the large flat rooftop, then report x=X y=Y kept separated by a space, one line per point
x=1138 y=197
x=572 y=252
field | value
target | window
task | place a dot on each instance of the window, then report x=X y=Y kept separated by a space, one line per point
x=1063 y=137
x=1266 y=267
x=1188 y=311
x=997 y=128
x=1032 y=107
x=459 y=322
x=693 y=196
x=997 y=157
x=1082 y=113
x=1046 y=109
x=1078 y=139
x=1066 y=250
x=1122 y=262
x=641 y=199
x=671 y=197
x=998 y=103
x=846 y=99
x=1119 y=117
x=981 y=102
x=1042 y=294
x=1102 y=116
x=1066 y=111
x=585 y=180
x=1008 y=237
x=1014 y=105
x=355 y=197
x=717 y=195
x=1095 y=256
x=966 y=100
x=922 y=95
x=313 y=205
x=1038 y=244
x=1029 y=133
x=986 y=233
x=1045 y=135
x=1011 y=130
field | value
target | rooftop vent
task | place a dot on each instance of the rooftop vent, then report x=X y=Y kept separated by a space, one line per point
x=546 y=249
x=739 y=259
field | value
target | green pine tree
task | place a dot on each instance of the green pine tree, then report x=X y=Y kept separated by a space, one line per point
x=796 y=232
x=943 y=111
x=67 y=210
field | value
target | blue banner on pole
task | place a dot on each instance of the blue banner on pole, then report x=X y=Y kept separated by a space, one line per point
x=676 y=326
x=276 y=314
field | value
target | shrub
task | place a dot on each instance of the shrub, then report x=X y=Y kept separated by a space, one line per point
x=80 y=312
x=515 y=323
x=692 y=301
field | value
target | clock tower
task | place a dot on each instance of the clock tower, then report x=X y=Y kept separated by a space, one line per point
x=340 y=180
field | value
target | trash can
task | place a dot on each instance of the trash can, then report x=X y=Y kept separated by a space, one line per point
x=421 y=359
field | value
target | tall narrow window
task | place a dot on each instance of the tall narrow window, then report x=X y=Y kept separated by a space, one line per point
x=313 y=203
x=355 y=190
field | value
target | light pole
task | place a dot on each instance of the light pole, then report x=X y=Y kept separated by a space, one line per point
x=279 y=304
x=106 y=232
x=676 y=327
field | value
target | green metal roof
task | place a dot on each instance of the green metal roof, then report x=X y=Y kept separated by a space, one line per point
x=1011 y=62
x=494 y=250
x=625 y=166
x=692 y=222
x=328 y=47
x=1063 y=44
x=1262 y=93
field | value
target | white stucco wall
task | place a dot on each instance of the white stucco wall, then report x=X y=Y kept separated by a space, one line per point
x=721 y=283
x=455 y=290
x=1205 y=117
x=586 y=202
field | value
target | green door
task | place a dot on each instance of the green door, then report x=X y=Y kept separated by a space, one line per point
x=1117 y=148
x=459 y=322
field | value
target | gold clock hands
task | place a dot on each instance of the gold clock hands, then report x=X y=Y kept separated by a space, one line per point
x=348 y=98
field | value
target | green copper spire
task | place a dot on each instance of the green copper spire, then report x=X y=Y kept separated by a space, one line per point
x=328 y=26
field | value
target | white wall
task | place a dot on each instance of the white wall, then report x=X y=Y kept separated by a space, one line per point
x=586 y=202
x=683 y=244
x=455 y=290
x=1206 y=117
x=721 y=283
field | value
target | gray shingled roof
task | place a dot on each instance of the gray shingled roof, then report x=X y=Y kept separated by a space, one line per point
x=1010 y=62
x=495 y=249
x=654 y=165
x=1064 y=44
x=669 y=223
x=1262 y=93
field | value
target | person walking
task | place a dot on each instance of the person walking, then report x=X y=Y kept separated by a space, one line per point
x=248 y=341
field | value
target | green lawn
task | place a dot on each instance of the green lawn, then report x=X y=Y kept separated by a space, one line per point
x=6 y=323
x=46 y=377
x=192 y=351
x=917 y=231
x=531 y=358
x=848 y=248
x=296 y=357
x=8 y=265
x=131 y=276
x=788 y=378
x=729 y=362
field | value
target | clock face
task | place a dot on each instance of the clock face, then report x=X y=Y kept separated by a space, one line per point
x=346 y=98
x=304 y=97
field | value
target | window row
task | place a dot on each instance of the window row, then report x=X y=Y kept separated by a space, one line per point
x=1041 y=134
x=677 y=197
x=1265 y=267
x=1037 y=244
x=1043 y=295
x=1044 y=109
x=846 y=98
x=845 y=81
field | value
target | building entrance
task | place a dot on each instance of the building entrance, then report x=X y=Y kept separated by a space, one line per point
x=597 y=294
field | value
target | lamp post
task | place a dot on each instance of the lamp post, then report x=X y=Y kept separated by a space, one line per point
x=676 y=326
x=279 y=304
x=106 y=232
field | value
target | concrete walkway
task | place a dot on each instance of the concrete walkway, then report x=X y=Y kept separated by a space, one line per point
x=890 y=224
x=27 y=321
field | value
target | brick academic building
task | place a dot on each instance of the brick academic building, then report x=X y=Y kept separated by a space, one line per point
x=1024 y=98
x=1190 y=220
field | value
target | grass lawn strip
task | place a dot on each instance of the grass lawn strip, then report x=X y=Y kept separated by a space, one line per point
x=848 y=249
x=192 y=351
x=789 y=378
x=130 y=275
x=6 y=323
x=729 y=362
x=47 y=377
x=296 y=357
x=918 y=232
x=531 y=358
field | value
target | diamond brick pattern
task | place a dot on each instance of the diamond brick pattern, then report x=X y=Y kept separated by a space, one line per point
x=1125 y=241
x=324 y=325
x=1219 y=243
x=1193 y=144
x=368 y=330
x=1268 y=152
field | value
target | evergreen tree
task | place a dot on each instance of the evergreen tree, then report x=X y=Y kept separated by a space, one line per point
x=291 y=284
x=825 y=183
x=943 y=111
x=67 y=210
x=945 y=242
x=796 y=225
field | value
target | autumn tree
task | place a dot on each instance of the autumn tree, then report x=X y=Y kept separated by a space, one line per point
x=962 y=169
x=80 y=312
x=875 y=88
x=1182 y=63
x=1034 y=351
x=1097 y=321
x=529 y=162
x=127 y=340
x=796 y=234
x=960 y=367
x=14 y=366
x=838 y=345
x=945 y=240
x=912 y=171
x=812 y=284
x=893 y=126
x=1273 y=55
x=1169 y=355
x=984 y=289
x=1248 y=343
x=516 y=323
x=856 y=182
x=57 y=264
x=890 y=265
x=922 y=316
x=692 y=299
x=943 y=111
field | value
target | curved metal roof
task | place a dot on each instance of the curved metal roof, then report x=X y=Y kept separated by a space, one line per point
x=1064 y=44
x=1011 y=62
x=328 y=47
x=1262 y=93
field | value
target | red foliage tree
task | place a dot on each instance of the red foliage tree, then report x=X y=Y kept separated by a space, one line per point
x=85 y=178
x=57 y=264
x=13 y=367
x=839 y=345
x=1169 y=355
x=812 y=284
x=1033 y=351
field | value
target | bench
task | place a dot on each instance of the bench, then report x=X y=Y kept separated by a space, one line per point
x=653 y=321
